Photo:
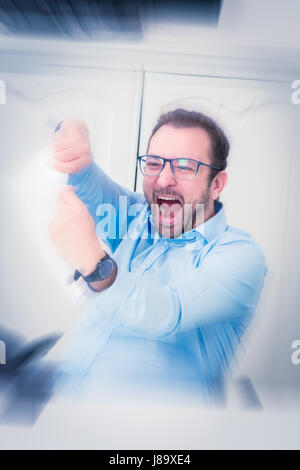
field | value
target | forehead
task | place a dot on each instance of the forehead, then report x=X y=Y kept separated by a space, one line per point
x=191 y=142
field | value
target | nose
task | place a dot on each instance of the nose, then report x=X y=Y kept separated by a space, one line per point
x=166 y=177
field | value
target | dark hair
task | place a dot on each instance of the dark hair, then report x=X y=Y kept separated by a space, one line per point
x=181 y=118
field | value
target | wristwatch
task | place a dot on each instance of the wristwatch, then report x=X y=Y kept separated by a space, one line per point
x=104 y=269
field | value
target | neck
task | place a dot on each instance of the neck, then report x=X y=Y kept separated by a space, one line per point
x=210 y=211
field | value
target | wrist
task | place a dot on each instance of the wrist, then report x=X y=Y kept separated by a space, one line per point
x=103 y=276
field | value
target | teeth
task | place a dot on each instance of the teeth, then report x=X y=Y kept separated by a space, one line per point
x=164 y=209
x=168 y=198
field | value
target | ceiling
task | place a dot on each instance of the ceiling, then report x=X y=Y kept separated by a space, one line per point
x=101 y=19
x=188 y=26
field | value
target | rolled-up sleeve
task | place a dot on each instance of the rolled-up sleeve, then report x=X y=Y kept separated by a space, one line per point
x=96 y=190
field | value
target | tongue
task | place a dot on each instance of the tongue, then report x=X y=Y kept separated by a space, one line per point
x=169 y=208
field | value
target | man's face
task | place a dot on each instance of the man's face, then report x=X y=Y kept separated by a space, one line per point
x=167 y=195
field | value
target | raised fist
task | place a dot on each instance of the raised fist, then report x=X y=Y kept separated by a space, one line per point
x=73 y=233
x=71 y=146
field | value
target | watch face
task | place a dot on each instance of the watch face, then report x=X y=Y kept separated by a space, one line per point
x=106 y=268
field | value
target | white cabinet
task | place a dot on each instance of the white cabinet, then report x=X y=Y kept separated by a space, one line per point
x=107 y=100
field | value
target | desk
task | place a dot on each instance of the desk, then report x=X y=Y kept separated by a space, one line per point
x=64 y=425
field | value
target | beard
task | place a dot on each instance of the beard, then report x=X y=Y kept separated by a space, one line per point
x=173 y=219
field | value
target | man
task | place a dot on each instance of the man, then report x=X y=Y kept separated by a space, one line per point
x=183 y=285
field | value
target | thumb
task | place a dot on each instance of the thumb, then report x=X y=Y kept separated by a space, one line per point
x=67 y=194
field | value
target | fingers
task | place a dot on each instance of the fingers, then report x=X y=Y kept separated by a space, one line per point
x=62 y=204
x=67 y=194
x=66 y=167
x=60 y=143
x=72 y=150
x=67 y=199
x=71 y=147
x=66 y=155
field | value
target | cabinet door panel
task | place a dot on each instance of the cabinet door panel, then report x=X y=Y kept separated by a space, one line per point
x=108 y=101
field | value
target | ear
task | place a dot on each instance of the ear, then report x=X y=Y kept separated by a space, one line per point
x=218 y=184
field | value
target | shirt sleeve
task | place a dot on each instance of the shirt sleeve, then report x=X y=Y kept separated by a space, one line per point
x=225 y=287
x=103 y=196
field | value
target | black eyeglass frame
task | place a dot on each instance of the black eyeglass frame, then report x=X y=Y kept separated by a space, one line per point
x=170 y=160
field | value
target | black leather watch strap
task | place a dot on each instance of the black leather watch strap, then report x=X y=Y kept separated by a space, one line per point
x=103 y=270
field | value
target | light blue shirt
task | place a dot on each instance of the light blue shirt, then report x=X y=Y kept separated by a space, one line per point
x=178 y=308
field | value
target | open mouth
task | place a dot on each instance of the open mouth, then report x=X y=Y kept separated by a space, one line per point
x=169 y=208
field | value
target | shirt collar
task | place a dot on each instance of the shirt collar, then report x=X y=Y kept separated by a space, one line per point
x=214 y=226
x=208 y=230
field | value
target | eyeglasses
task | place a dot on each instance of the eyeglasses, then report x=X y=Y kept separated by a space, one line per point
x=182 y=168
